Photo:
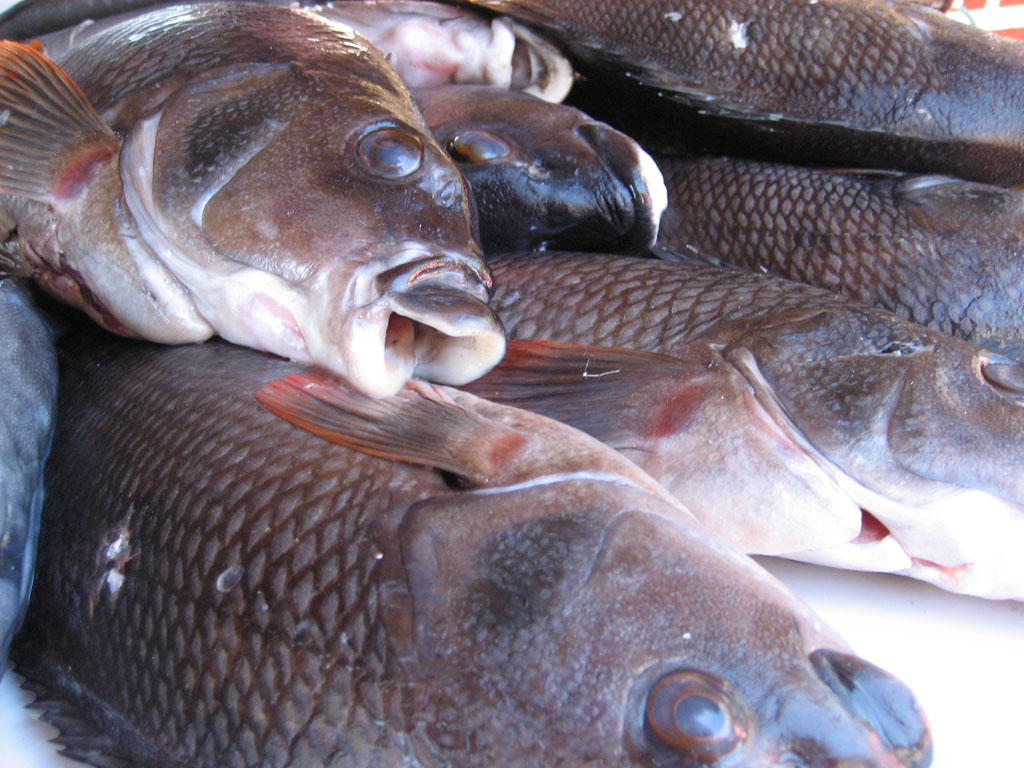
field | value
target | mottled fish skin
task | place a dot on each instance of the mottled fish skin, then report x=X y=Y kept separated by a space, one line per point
x=545 y=175
x=940 y=251
x=28 y=370
x=923 y=431
x=266 y=176
x=222 y=589
x=859 y=83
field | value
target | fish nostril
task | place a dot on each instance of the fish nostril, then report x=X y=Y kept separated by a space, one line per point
x=1007 y=377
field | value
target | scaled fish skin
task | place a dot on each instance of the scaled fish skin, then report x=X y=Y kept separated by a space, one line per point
x=858 y=83
x=252 y=171
x=28 y=370
x=941 y=251
x=239 y=591
x=777 y=411
x=545 y=175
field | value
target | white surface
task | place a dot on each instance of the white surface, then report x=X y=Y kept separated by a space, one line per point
x=962 y=656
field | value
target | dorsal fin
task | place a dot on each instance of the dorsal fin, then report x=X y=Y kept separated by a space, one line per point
x=50 y=136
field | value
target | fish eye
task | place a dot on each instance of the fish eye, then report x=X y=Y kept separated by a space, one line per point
x=478 y=147
x=694 y=714
x=390 y=153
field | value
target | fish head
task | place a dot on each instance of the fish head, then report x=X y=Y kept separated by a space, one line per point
x=923 y=431
x=308 y=212
x=574 y=622
x=546 y=175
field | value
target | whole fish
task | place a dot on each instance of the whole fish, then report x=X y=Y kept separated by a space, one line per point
x=940 y=251
x=219 y=588
x=545 y=175
x=28 y=369
x=246 y=170
x=777 y=412
x=859 y=83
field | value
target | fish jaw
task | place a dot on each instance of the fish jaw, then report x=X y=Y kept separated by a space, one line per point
x=414 y=312
x=435 y=44
x=929 y=515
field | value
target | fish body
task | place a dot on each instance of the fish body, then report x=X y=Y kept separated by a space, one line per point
x=28 y=369
x=250 y=171
x=940 y=251
x=759 y=382
x=546 y=176
x=858 y=83
x=222 y=588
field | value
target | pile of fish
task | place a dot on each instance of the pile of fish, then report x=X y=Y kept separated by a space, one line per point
x=244 y=561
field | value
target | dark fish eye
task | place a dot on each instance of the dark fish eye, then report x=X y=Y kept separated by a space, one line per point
x=478 y=147
x=693 y=713
x=390 y=153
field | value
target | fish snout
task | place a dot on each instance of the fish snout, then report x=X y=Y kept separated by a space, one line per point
x=881 y=703
x=642 y=196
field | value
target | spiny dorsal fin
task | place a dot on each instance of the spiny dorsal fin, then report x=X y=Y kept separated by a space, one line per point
x=50 y=136
x=418 y=425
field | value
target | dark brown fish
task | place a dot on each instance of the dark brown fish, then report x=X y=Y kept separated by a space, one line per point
x=546 y=176
x=858 y=83
x=777 y=411
x=219 y=588
x=246 y=170
x=940 y=251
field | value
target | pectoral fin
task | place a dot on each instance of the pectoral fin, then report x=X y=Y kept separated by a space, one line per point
x=418 y=425
x=586 y=387
x=51 y=139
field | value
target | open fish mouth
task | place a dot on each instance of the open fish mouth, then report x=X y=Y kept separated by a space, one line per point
x=414 y=312
x=965 y=539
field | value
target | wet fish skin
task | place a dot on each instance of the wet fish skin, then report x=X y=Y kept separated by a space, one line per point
x=922 y=431
x=230 y=145
x=28 y=369
x=940 y=251
x=267 y=597
x=545 y=175
x=916 y=91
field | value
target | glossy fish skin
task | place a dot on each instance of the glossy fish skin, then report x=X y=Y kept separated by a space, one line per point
x=242 y=592
x=923 y=431
x=545 y=175
x=859 y=83
x=940 y=251
x=258 y=173
x=28 y=370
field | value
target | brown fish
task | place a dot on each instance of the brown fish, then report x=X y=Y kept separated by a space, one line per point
x=777 y=412
x=251 y=171
x=940 y=251
x=220 y=589
x=859 y=83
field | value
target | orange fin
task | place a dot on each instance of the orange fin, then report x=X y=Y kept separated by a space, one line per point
x=50 y=136
x=419 y=425
x=584 y=386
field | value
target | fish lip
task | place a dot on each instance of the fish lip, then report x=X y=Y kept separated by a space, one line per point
x=413 y=309
x=880 y=702
x=646 y=195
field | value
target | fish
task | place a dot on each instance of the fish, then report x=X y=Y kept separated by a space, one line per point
x=246 y=170
x=546 y=176
x=28 y=368
x=940 y=251
x=854 y=83
x=791 y=421
x=475 y=586
x=541 y=175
